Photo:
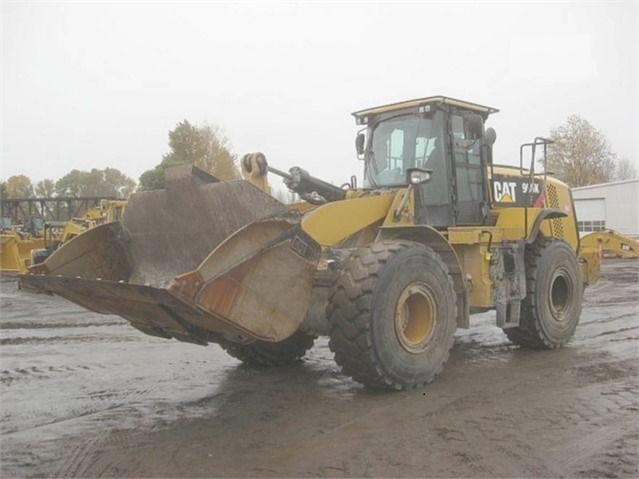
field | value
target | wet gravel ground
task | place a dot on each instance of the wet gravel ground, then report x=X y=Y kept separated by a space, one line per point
x=85 y=395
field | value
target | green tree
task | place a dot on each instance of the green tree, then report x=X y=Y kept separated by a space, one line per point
x=581 y=154
x=19 y=186
x=107 y=182
x=153 y=179
x=45 y=188
x=205 y=146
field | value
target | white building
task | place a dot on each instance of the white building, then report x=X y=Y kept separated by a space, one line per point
x=608 y=206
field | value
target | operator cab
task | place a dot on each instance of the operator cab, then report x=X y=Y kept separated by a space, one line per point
x=436 y=135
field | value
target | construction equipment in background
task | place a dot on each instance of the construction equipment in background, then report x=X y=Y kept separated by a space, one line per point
x=611 y=244
x=16 y=243
x=56 y=208
x=28 y=238
x=34 y=240
x=387 y=270
x=57 y=233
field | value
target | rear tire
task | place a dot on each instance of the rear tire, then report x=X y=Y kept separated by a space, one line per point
x=392 y=315
x=262 y=354
x=552 y=307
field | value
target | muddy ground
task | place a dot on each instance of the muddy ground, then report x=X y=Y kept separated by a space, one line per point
x=85 y=395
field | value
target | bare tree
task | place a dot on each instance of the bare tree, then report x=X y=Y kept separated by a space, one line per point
x=581 y=154
x=625 y=170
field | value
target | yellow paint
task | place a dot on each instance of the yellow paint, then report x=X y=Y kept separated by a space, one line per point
x=398 y=215
x=15 y=252
x=475 y=261
x=590 y=265
x=611 y=244
x=331 y=223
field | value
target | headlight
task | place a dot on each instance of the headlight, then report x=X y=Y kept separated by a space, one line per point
x=417 y=177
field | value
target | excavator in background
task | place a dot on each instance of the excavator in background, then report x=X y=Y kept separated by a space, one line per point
x=611 y=244
x=387 y=270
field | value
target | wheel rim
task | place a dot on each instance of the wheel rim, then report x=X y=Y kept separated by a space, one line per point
x=560 y=295
x=415 y=317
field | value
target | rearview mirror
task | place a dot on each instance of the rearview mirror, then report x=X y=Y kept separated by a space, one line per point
x=359 y=143
x=473 y=127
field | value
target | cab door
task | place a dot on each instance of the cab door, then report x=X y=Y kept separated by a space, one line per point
x=470 y=193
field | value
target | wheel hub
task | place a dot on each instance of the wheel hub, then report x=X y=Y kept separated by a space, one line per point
x=415 y=317
x=560 y=295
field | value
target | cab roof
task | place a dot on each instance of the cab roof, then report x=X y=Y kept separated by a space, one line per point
x=486 y=110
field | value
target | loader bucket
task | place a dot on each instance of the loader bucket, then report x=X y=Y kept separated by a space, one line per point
x=197 y=261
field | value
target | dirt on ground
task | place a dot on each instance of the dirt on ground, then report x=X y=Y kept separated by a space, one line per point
x=86 y=395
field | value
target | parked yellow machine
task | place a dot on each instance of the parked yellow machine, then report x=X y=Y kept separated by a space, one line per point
x=16 y=243
x=387 y=270
x=58 y=233
x=611 y=244
x=32 y=242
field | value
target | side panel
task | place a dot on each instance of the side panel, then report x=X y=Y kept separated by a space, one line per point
x=558 y=196
x=333 y=222
x=476 y=267
x=511 y=191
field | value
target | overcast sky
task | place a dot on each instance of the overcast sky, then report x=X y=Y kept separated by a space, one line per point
x=94 y=85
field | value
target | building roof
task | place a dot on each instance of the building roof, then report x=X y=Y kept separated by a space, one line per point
x=424 y=101
x=601 y=185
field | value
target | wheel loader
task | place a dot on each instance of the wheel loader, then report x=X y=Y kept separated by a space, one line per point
x=17 y=242
x=387 y=270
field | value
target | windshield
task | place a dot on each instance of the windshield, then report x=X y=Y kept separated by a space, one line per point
x=401 y=142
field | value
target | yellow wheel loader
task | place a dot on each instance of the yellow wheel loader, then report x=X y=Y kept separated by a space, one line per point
x=17 y=242
x=388 y=270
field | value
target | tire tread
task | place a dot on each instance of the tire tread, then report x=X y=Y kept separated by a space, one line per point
x=349 y=308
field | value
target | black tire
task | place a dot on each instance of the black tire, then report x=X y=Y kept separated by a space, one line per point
x=262 y=354
x=552 y=307
x=392 y=315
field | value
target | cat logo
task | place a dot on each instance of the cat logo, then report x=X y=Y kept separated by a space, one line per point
x=505 y=191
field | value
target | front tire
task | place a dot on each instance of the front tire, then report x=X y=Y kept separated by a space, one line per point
x=392 y=315
x=552 y=307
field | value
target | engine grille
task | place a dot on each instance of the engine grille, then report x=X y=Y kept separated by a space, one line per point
x=553 y=200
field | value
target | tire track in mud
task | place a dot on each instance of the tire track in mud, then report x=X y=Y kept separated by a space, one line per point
x=492 y=428
x=28 y=340
x=56 y=325
x=497 y=410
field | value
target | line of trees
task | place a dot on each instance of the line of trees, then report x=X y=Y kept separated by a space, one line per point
x=106 y=182
x=580 y=155
x=205 y=146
